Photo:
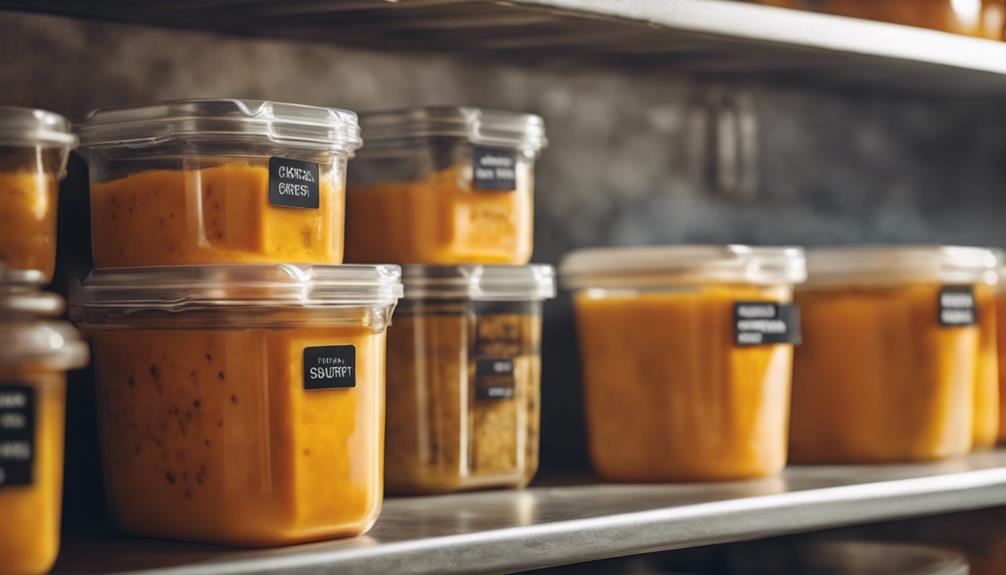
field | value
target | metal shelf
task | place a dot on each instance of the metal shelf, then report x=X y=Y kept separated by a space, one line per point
x=718 y=38
x=502 y=531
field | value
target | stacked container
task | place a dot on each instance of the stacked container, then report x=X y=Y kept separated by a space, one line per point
x=686 y=356
x=240 y=369
x=448 y=192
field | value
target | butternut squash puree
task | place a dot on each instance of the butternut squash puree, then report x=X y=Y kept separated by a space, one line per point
x=29 y=533
x=877 y=379
x=986 y=411
x=440 y=220
x=210 y=435
x=211 y=215
x=441 y=436
x=28 y=221
x=669 y=395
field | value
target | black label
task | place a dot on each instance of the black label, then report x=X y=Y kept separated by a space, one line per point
x=494 y=378
x=957 y=306
x=17 y=434
x=494 y=169
x=294 y=183
x=329 y=366
x=765 y=323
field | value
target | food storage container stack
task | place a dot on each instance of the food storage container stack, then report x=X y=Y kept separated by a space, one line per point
x=449 y=193
x=240 y=368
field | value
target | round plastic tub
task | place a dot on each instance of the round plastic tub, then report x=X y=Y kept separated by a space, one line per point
x=35 y=353
x=34 y=145
x=218 y=181
x=444 y=186
x=843 y=557
x=888 y=365
x=464 y=371
x=241 y=404
x=982 y=18
x=686 y=355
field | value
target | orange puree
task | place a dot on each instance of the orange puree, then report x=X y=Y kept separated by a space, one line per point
x=29 y=533
x=219 y=214
x=670 y=396
x=986 y=411
x=28 y=221
x=440 y=220
x=1001 y=347
x=878 y=379
x=210 y=435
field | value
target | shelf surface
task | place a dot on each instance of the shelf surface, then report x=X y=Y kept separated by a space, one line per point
x=718 y=38
x=504 y=531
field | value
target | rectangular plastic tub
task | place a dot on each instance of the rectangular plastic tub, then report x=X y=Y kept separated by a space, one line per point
x=888 y=366
x=218 y=181
x=35 y=353
x=444 y=186
x=34 y=145
x=241 y=404
x=686 y=354
x=464 y=372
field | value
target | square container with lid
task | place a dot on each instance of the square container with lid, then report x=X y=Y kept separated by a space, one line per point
x=241 y=404
x=35 y=353
x=686 y=355
x=888 y=366
x=464 y=371
x=218 y=181
x=444 y=185
x=34 y=145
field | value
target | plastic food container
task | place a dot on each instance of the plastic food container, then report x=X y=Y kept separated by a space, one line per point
x=1000 y=306
x=241 y=404
x=34 y=145
x=444 y=186
x=35 y=353
x=887 y=368
x=686 y=355
x=986 y=399
x=218 y=181
x=464 y=371
x=843 y=557
x=982 y=18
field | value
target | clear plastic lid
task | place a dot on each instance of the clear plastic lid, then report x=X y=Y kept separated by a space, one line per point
x=686 y=264
x=180 y=289
x=486 y=127
x=31 y=127
x=859 y=265
x=28 y=335
x=534 y=282
x=223 y=120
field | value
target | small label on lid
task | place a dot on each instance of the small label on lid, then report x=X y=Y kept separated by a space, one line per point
x=766 y=323
x=330 y=367
x=17 y=434
x=294 y=183
x=957 y=306
x=494 y=169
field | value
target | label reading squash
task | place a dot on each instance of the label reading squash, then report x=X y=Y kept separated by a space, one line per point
x=330 y=367
x=957 y=306
x=766 y=323
x=17 y=434
x=294 y=183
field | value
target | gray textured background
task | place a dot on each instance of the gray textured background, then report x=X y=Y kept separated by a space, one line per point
x=628 y=161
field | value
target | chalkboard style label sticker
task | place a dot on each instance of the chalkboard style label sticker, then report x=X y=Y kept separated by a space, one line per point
x=494 y=378
x=766 y=323
x=957 y=306
x=494 y=169
x=330 y=367
x=17 y=434
x=294 y=183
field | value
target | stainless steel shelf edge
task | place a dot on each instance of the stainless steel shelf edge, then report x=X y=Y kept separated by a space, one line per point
x=500 y=531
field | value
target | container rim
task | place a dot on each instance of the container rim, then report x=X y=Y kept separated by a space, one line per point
x=28 y=335
x=179 y=289
x=391 y=128
x=650 y=266
x=222 y=119
x=534 y=282
x=867 y=264
x=34 y=127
